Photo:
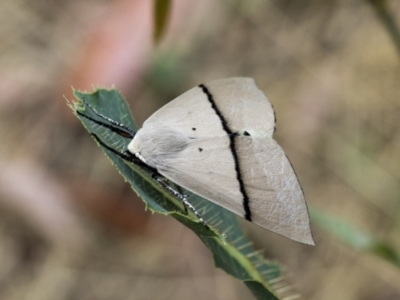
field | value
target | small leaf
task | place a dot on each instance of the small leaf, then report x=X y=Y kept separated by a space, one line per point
x=231 y=249
x=353 y=236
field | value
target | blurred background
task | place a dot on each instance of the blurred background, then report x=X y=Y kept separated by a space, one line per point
x=70 y=228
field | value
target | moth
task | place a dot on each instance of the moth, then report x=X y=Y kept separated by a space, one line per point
x=216 y=140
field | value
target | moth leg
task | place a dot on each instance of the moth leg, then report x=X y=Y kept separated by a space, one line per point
x=181 y=197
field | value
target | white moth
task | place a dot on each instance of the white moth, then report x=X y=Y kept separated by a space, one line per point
x=216 y=141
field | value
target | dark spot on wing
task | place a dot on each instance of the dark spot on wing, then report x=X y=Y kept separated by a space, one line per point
x=246 y=133
x=200 y=149
x=194 y=129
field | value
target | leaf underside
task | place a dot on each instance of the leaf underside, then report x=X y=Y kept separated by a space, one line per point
x=231 y=249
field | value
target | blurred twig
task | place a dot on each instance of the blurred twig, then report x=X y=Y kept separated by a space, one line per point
x=387 y=19
x=161 y=14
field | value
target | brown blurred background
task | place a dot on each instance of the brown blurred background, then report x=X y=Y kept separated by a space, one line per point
x=70 y=228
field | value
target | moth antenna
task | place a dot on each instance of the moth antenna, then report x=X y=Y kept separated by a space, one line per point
x=116 y=123
x=118 y=128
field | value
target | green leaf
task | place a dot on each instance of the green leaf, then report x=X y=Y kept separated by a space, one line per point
x=353 y=236
x=388 y=20
x=231 y=249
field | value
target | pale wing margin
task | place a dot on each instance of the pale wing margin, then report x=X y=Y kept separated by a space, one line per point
x=276 y=199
